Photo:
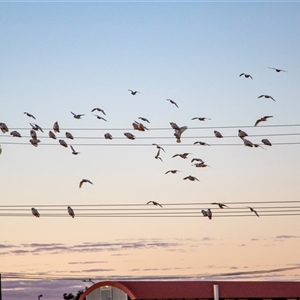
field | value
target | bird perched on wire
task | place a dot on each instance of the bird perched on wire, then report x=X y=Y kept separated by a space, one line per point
x=267 y=97
x=247 y=143
x=99 y=109
x=52 y=135
x=246 y=75
x=277 y=70
x=266 y=142
x=242 y=134
x=263 y=119
x=4 y=128
x=182 y=155
x=133 y=92
x=201 y=143
x=172 y=171
x=218 y=134
x=34 y=142
x=129 y=135
x=35 y=212
x=84 y=181
x=253 y=210
x=154 y=203
x=173 y=102
x=33 y=134
x=71 y=211
x=69 y=136
x=56 y=127
x=221 y=205
x=108 y=136
x=29 y=115
x=207 y=213
x=201 y=118
x=63 y=143
x=144 y=119
x=77 y=116
x=15 y=133
x=191 y=178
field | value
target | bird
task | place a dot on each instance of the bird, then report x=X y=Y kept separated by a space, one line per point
x=246 y=75
x=178 y=133
x=159 y=147
x=56 y=127
x=209 y=213
x=0 y=150
x=218 y=134
x=108 y=136
x=52 y=135
x=36 y=127
x=3 y=127
x=191 y=178
x=15 y=133
x=221 y=205
x=157 y=155
x=154 y=203
x=144 y=119
x=63 y=143
x=99 y=109
x=201 y=165
x=33 y=134
x=69 y=136
x=34 y=142
x=197 y=159
x=129 y=135
x=172 y=171
x=29 y=115
x=173 y=102
x=100 y=118
x=133 y=92
x=201 y=143
x=277 y=70
x=73 y=150
x=77 y=116
x=139 y=126
x=35 y=212
x=242 y=133
x=267 y=97
x=201 y=118
x=182 y=155
x=84 y=181
x=71 y=211
x=204 y=213
x=253 y=210
x=174 y=126
x=248 y=143
x=266 y=142
x=263 y=119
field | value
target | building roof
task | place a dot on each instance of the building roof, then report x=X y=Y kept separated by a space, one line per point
x=202 y=289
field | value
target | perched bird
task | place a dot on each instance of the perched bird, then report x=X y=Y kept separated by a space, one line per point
x=159 y=147
x=267 y=97
x=201 y=143
x=71 y=211
x=33 y=134
x=108 y=136
x=218 y=134
x=29 y=115
x=182 y=155
x=56 y=127
x=191 y=178
x=84 y=181
x=63 y=143
x=248 y=143
x=173 y=102
x=277 y=70
x=221 y=205
x=200 y=119
x=253 y=210
x=73 y=150
x=242 y=133
x=77 y=116
x=34 y=142
x=99 y=109
x=246 y=75
x=172 y=171
x=204 y=213
x=36 y=127
x=129 y=135
x=15 y=133
x=3 y=127
x=266 y=142
x=52 y=135
x=100 y=118
x=209 y=213
x=144 y=119
x=154 y=203
x=133 y=92
x=35 y=212
x=263 y=119
x=69 y=136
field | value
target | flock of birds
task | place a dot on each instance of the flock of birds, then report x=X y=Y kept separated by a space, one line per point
x=178 y=131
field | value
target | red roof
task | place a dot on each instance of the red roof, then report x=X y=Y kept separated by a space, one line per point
x=202 y=289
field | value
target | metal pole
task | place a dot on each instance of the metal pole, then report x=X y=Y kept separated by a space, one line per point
x=216 y=292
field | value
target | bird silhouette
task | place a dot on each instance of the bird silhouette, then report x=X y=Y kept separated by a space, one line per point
x=191 y=178
x=34 y=142
x=197 y=159
x=159 y=147
x=277 y=70
x=77 y=116
x=69 y=136
x=63 y=143
x=182 y=155
x=71 y=211
x=247 y=143
x=108 y=136
x=266 y=142
x=253 y=210
x=178 y=133
x=36 y=127
x=35 y=212
x=29 y=115
x=129 y=135
x=246 y=75
x=144 y=119
x=52 y=135
x=56 y=127
x=201 y=165
x=263 y=119
x=99 y=109
x=157 y=155
x=154 y=203
x=172 y=171
x=100 y=118
x=73 y=150
x=133 y=92
x=33 y=134
x=84 y=181
x=242 y=133
x=201 y=143
x=267 y=97
x=4 y=128
x=173 y=102
x=201 y=118
x=15 y=133
x=221 y=205
x=218 y=134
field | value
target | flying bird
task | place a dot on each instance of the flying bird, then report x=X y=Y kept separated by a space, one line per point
x=266 y=142
x=73 y=150
x=35 y=212
x=133 y=92
x=36 y=127
x=69 y=136
x=77 y=116
x=63 y=143
x=159 y=147
x=221 y=205
x=129 y=135
x=197 y=159
x=253 y=210
x=52 y=135
x=182 y=155
x=173 y=102
x=277 y=70
x=56 y=127
x=157 y=155
x=3 y=127
x=172 y=171
x=178 y=133
x=263 y=119
x=71 y=211
x=84 y=181
x=267 y=97
x=29 y=115
x=201 y=118
x=191 y=178
x=154 y=203
x=100 y=118
x=201 y=165
x=246 y=75
x=144 y=119
x=108 y=136
x=201 y=143
x=242 y=133
x=99 y=109
x=218 y=134
x=15 y=133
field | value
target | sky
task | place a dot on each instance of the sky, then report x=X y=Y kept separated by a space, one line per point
x=62 y=57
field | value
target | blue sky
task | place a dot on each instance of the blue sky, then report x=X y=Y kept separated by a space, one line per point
x=58 y=57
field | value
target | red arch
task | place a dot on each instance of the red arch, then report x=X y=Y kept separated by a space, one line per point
x=115 y=284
